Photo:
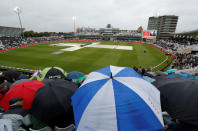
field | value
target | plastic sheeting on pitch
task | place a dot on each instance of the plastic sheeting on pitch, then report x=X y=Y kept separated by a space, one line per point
x=123 y=102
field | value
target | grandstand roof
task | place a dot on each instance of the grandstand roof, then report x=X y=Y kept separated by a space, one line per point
x=193 y=32
x=10 y=31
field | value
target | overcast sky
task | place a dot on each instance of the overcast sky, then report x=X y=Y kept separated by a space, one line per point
x=56 y=15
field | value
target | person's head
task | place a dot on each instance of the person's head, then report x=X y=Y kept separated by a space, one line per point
x=3 y=87
x=1 y=79
x=149 y=69
x=1 y=110
x=17 y=101
x=79 y=81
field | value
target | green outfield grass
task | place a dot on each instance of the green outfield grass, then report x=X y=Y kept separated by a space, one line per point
x=84 y=60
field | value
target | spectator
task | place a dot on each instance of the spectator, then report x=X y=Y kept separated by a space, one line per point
x=135 y=68
x=16 y=114
x=143 y=71
x=4 y=87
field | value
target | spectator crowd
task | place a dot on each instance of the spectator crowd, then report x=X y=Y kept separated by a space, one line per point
x=11 y=42
x=183 y=60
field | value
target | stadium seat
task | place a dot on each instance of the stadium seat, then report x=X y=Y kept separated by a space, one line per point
x=47 y=128
x=69 y=128
x=21 y=129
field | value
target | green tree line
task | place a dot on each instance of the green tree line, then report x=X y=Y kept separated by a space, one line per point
x=38 y=34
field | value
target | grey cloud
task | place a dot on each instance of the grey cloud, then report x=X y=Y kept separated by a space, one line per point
x=56 y=15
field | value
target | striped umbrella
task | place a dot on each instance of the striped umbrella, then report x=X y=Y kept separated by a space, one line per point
x=117 y=99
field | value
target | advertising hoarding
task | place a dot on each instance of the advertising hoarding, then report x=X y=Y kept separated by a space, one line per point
x=149 y=34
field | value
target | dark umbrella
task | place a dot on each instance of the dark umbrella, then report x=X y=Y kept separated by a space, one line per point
x=179 y=97
x=22 y=76
x=11 y=75
x=52 y=73
x=52 y=102
x=25 y=89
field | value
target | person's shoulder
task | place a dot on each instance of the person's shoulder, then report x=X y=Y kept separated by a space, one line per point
x=12 y=117
x=17 y=111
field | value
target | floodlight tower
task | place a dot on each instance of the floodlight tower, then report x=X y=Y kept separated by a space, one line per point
x=74 y=19
x=18 y=10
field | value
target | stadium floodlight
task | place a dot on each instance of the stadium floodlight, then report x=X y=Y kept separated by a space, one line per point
x=18 y=11
x=74 y=19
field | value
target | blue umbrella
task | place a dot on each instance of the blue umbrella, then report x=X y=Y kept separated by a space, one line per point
x=117 y=99
x=149 y=79
x=186 y=75
x=76 y=75
x=182 y=74
x=171 y=71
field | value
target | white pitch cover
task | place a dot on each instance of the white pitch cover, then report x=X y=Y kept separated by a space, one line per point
x=100 y=114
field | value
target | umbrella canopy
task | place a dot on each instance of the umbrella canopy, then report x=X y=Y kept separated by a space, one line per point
x=19 y=81
x=52 y=73
x=117 y=99
x=160 y=73
x=184 y=75
x=76 y=76
x=171 y=71
x=35 y=75
x=53 y=101
x=179 y=98
x=149 y=79
x=25 y=89
x=23 y=76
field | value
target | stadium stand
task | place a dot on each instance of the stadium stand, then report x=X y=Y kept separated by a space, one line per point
x=10 y=31
x=12 y=42
x=184 y=58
